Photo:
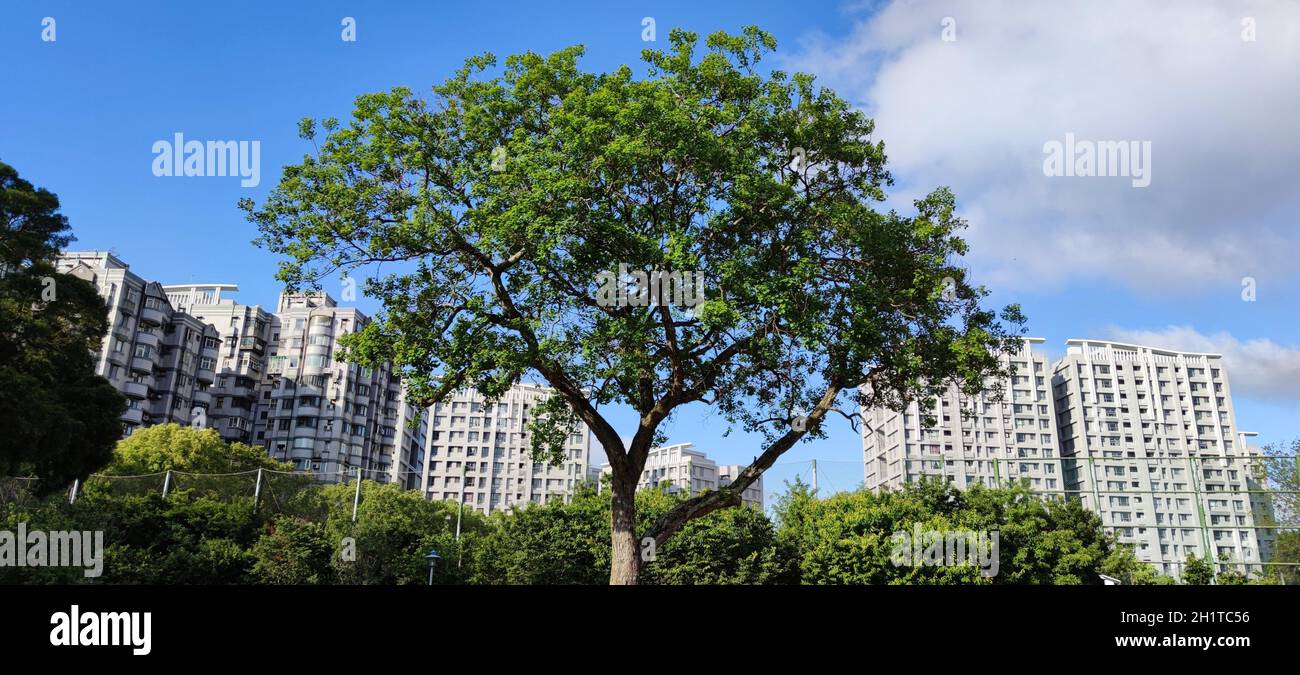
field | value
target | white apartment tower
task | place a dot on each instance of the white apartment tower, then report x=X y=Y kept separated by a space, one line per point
x=1153 y=446
x=971 y=439
x=159 y=357
x=328 y=416
x=241 y=361
x=479 y=453
x=682 y=469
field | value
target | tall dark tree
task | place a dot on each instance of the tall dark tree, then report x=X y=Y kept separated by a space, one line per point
x=59 y=419
x=513 y=202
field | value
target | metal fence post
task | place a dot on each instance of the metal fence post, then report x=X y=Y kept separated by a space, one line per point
x=356 y=501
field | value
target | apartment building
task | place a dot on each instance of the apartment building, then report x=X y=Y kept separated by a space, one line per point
x=158 y=356
x=478 y=453
x=1152 y=445
x=682 y=469
x=328 y=416
x=1261 y=502
x=968 y=440
x=753 y=495
x=240 y=363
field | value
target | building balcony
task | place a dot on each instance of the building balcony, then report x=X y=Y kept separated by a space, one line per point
x=153 y=316
x=238 y=391
x=141 y=364
x=136 y=389
x=133 y=416
x=205 y=375
x=147 y=338
x=202 y=397
x=321 y=326
x=253 y=344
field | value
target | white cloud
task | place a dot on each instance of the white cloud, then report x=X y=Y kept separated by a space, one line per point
x=974 y=114
x=1260 y=368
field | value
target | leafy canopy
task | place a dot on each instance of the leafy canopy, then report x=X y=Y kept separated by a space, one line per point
x=809 y=288
x=60 y=419
x=171 y=447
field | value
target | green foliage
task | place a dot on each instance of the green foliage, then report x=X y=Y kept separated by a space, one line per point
x=569 y=543
x=685 y=169
x=149 y=539
x=171 y=447
x=510 y=198
x=1122 y=564
x=555 y=543
x=1286 y=549
x=847 y=539
x=60 y=419
x=394 y=530
x=293 y=551
x=1197 y=571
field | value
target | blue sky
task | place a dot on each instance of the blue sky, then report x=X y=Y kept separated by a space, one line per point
x=79 y=116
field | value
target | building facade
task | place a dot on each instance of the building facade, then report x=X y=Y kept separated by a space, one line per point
x=241 y=361
x=193 y=354
x=1146 y=438
x=1152 y=445
x=478 y=453
x=681 y=469
x=327 y=416
x=158 y=356
x=971 y=440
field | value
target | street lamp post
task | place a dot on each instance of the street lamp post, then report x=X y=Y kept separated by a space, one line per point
x=433 y=559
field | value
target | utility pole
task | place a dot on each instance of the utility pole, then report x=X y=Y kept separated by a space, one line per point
x=814 y=471
x=460 y=508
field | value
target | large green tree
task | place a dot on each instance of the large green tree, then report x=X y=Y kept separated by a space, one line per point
x=503 y=206
x=172 y=447
x=59 y=418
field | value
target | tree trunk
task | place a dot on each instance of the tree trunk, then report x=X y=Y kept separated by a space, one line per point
x=625 y=563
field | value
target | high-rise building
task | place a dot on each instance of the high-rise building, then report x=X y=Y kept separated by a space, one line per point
x=479 y=453
x=157 y=355
x=969 y=440
x=241 y=361
x=1261 y=502
x=1153 y=446
x=681 y=469
x=328 y=416
x=1145 y=437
